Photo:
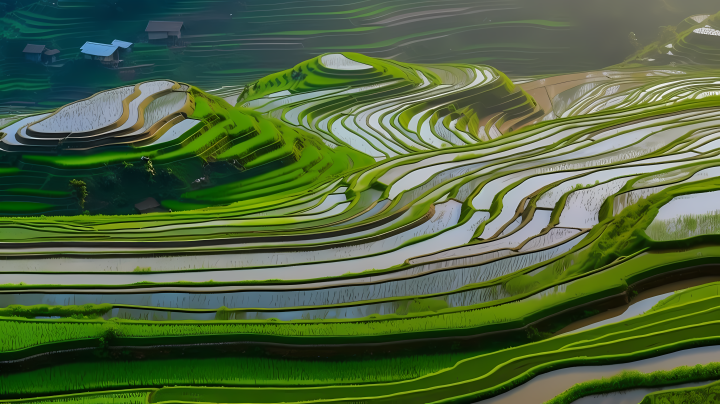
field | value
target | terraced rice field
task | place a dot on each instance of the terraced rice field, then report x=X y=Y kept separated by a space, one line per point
x=358 y=229
x=225 y=44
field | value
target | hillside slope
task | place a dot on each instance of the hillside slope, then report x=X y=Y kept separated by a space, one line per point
x=387 y=108
x=158 y=139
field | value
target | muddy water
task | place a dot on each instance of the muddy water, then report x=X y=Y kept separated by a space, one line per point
x=632 y=396
x=549 y=385
x=635 y=309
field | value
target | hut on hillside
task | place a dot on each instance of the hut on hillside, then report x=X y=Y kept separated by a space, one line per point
x=50 y=56
x=40 y=53
x=164 y=30
x=104 y=53
x=123 y=47
x=34 y=52
x=149 y=205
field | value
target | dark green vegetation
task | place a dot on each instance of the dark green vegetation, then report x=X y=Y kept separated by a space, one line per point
x=229 y=148
x=233 y=43
x=81 y=193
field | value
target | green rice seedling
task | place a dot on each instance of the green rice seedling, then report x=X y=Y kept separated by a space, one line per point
x=86 y=311
x=142 y=269
x=21 y=334
x=700 y=395
x=121 y=397
x=685 y=226
x=225 y=371
x=688 y=295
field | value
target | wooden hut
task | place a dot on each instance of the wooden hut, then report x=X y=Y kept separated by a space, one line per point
x=123 y=47
x=40 y=53
x=50 y=56
x=164 y=30
x=34 y=52
x=149 y=205
x=104 y=53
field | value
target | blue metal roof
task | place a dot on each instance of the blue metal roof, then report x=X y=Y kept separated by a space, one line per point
x=98 y=49
x=122 y=44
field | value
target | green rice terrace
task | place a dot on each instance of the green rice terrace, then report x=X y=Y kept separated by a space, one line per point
x=353 y=227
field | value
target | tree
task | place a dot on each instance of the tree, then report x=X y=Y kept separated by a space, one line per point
x=149 y=168
x=634 y=41
x=80 y=189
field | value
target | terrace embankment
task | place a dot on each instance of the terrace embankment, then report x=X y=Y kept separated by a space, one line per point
x=308 y=347
x=644 y=295
x=549 y=385
x=614 y=306
x=633 y=396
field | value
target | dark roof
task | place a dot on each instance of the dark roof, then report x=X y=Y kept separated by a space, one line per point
x=147 y=204
x=30 y=48
x=51 y=52
x=164 y=26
